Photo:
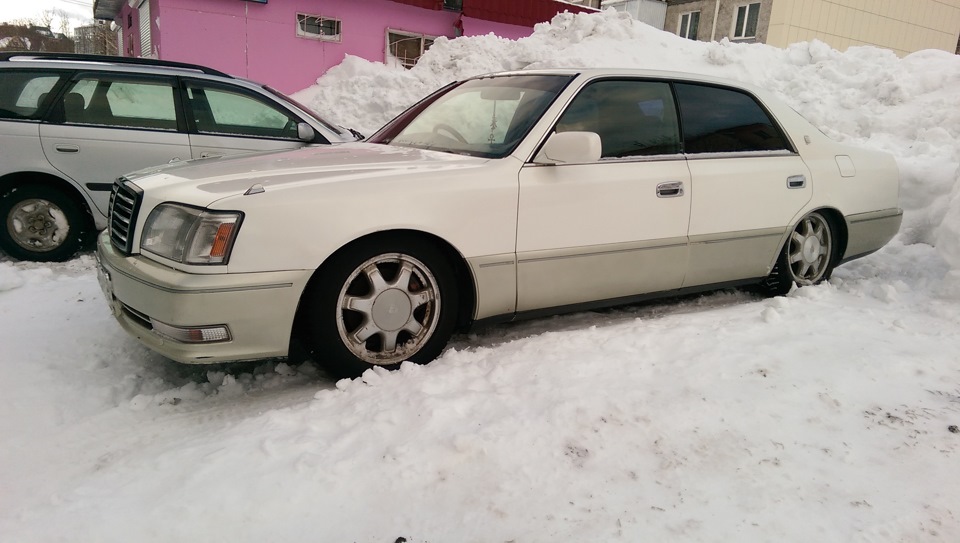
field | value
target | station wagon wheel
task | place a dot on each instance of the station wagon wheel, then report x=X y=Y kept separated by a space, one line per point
x=370 y=307
x=41 y=223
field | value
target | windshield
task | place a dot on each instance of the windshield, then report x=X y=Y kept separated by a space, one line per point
x=485 y=117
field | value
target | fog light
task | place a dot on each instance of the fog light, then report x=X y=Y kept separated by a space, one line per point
x=193 y=334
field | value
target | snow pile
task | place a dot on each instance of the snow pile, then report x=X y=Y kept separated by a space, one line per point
x=821 y=416
x=867 y=96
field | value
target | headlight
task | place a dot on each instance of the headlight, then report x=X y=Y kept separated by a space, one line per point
x=190 y=235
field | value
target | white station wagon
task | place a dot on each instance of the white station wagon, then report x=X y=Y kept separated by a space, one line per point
x=503 y=196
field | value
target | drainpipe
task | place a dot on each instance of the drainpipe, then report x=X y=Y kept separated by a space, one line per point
x=716 y=13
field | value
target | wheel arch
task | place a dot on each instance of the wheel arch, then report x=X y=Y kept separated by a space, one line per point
x=17 y=179
x=464 y=277
x=838 y=224
x=840 y=230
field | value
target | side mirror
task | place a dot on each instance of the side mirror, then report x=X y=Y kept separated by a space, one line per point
x=570 y=148
x=306 y=132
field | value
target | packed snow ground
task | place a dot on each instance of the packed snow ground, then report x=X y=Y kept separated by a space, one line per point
x=820 y=416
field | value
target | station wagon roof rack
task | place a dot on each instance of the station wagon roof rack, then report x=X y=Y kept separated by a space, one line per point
x=77 y=57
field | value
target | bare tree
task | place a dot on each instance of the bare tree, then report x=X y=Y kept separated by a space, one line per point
x=45 y=19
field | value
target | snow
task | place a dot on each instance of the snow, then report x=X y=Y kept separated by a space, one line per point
x=819 y=416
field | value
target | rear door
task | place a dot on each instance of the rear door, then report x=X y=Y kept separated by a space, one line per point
x=226 y=119
x=748 y=183
x=108 y=124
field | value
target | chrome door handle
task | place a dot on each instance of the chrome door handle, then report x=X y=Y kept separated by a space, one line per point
x=67 y=148
x=796 y=182
x=673 y=189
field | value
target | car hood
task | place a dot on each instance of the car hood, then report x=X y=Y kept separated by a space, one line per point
x=203 y=181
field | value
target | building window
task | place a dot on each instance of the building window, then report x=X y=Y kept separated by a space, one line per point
x=146 y=47
x=453 y=5
x=746 y=24
x=321 y=28
x=406 y=49
x=689 y=24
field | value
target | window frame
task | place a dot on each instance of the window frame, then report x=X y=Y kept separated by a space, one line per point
x=43 y=112
x=746 y=21
x=678 y=123
x=203 y=84
x=301 y=18
x=789 y=147
x=686 y=33
x=57 y=113
x=422 y=37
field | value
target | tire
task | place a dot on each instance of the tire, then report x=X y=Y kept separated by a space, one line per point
x=808 y=257
x=379 y=302
x=41 y=223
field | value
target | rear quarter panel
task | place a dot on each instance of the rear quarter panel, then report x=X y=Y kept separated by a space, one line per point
x=862 y=184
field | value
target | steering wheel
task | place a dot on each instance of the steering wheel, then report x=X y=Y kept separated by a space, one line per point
x=451 y=130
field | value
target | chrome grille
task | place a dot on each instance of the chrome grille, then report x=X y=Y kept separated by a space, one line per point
x=124 y=204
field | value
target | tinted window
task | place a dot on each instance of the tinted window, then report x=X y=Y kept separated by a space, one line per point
x=23 y=93
x=717 y=120
x=632 y=118
x=121 y=103
x=218 y=110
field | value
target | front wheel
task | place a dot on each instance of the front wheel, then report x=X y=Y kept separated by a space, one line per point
x=807 y=257
x=379 y=303
x=41 y=223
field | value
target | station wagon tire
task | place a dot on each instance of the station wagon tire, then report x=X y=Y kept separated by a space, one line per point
x=808 y=256
x=41 y=223
x=379 y=303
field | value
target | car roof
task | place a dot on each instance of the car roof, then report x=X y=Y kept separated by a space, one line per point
x=36 y=59
x=591 y=73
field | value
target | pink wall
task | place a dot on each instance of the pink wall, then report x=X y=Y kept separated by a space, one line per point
x=259 y=41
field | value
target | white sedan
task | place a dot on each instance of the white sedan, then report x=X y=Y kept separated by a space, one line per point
x=499 y=197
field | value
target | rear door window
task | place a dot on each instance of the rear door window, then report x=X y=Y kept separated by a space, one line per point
x=721 y=120
x=120 y=102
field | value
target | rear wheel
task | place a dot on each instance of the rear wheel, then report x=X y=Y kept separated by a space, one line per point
x=379 y=303
x=807 y=257
x=41 y=223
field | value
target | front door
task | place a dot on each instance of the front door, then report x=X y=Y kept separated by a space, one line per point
x=226 y=120
x=615 y=228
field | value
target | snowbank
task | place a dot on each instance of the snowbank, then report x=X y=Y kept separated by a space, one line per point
x=909 y=107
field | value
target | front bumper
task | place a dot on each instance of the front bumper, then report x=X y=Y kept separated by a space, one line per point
x=258 y=308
